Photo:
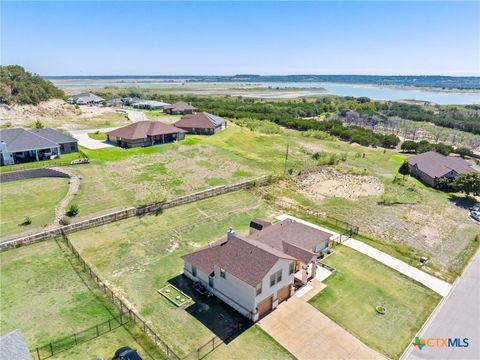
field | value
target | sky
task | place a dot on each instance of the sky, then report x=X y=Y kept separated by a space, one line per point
x=227 y=38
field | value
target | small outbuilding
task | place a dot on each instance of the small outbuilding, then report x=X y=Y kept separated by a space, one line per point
x=145 y=133
x=201 y=123
x=180 y=107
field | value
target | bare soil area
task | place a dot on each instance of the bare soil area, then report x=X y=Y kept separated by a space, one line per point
x=330 y=182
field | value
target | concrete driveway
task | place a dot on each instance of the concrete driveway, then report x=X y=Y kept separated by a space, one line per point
x=86 y=141
x=308 y=334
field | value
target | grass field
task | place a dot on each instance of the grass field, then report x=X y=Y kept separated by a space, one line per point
x=52 y=298
x=138 y=256
x=35 y=198
x=98 y=135
x=358 y=286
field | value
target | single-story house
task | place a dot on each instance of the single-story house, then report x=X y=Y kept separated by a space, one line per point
x=180 y=107
x=86 y=99
x=145 y=133
x=24 y=145
x=431 y=166
x=149 y=104
x=255 y=273
x=115 y=102
x=201 y=123
x=13 y=346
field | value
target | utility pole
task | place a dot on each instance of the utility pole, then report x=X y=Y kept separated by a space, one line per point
x=286 y=160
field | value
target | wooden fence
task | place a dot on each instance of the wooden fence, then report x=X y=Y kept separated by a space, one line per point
x=133 y=211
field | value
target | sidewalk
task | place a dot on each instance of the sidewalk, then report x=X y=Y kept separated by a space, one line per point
x=439 y=286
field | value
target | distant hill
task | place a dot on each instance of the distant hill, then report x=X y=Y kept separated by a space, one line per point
x=18 y=86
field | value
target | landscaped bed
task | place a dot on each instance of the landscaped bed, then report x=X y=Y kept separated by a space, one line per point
x=176 y=296
x=378 y=305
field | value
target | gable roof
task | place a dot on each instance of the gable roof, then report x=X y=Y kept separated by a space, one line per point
x=13 y=346
x=18 y=139
x=437 y=165
x=86 y=97
x=292 y=232
x=180 y=106
x=246 y=259
x=143 y=129
x=201 y=120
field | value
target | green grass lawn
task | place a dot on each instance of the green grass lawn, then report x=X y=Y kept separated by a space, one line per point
x=98 y=135
x=253 y=344
x=35 y=198
x=51 y=298
x=361 y=283
x=138 y=256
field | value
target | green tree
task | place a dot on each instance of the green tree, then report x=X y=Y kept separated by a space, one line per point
x=468 y=183
x=404 y=169
x=409 y=146
x=463 y=151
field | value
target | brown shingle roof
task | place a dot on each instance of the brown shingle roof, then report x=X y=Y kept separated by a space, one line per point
x=143 y=129
x=180 y=106
x=293 y=232
x=437 y=165
x=201 y=120
x=246 y=259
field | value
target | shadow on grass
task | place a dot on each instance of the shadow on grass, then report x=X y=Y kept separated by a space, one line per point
x=464 y=202
x=218 y=317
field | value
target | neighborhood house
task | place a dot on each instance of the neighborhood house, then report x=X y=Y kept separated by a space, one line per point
x=201 y=123
x=149 y=104
x=25 y=145
x=145 y=133
x=86 y=99
x=431 y=166
x=180 y=107
x=255 y=273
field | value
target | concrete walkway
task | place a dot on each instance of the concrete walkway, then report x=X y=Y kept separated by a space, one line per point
x=86 y=141
x=439 y=286
x=308 y=334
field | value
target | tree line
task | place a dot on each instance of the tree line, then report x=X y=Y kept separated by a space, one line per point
x=18 y=86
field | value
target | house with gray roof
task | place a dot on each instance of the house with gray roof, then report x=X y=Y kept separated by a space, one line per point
x=431 y=166
x=201 y=123
x=86 y=99
x=149 y=104
x=13 y=346
x=19 y=145
x=255 y=273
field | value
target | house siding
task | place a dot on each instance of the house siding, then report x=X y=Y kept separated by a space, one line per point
x=268 y=291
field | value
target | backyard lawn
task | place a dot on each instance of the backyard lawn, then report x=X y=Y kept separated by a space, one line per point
x=139 y=256
x=35 y=198
x=358 y=286
x=51 y=298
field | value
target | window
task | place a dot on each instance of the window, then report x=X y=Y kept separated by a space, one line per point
x=222 y=273
x=279 y=276
x=291 y=268
x=259 y=288
x=194 y=271
x=272 y=280
x=210 y=281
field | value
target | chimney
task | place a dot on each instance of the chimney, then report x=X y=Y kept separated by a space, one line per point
x=230 y=233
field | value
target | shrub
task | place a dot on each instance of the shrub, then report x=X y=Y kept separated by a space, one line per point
x=38 y=124
x=404 y=169
x=73 y=210
x=26 y=221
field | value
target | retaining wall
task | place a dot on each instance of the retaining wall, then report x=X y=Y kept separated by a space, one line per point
x=30 y=174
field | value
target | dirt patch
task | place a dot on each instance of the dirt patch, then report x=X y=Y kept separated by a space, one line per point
x=330 y=182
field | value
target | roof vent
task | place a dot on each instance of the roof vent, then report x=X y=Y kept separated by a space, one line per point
x=230 y=233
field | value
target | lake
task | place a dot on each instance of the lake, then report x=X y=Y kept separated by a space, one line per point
x=304 y=89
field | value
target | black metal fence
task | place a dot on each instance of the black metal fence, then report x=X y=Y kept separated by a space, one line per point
x=125 y=310
x=50 y=349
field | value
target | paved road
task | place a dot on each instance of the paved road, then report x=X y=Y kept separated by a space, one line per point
x=439 y=286
x=457 y=316
x=86 y=141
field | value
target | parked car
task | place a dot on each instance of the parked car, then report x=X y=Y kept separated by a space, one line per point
x=475 y=208
x=475 y=215
x=126 y=353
